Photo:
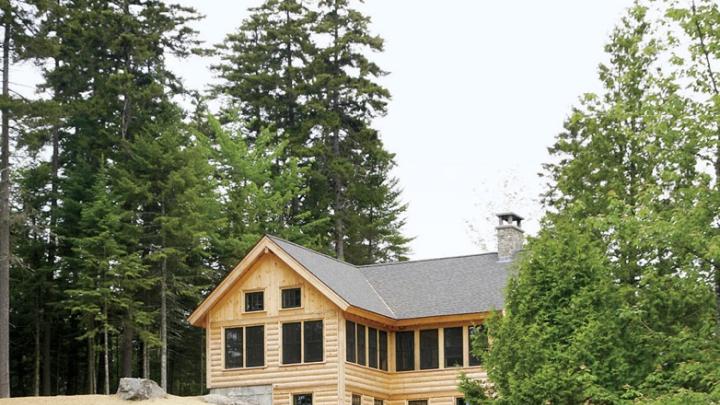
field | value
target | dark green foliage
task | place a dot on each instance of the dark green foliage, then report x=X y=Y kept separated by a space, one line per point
x=614 y=300
x=305 y=74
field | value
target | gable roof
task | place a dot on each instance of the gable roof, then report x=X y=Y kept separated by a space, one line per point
x=402 y=290
x=342 y=277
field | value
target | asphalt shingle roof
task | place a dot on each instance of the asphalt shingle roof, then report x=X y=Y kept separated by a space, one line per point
x=412 y=289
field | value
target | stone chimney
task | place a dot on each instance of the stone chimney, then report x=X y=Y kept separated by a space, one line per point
x=510 y=236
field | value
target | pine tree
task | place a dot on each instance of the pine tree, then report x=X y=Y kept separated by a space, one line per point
x=113 y=275
x=344 y=99
x=168 y=176
x=320 y=99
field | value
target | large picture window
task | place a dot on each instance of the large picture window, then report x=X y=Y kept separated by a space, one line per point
x=428 y=349
x=233 y=347
x=302 y=342
x=372 y=347
x=245 y=347
x=313 y=345
x=405 y=351
x=350 y=349
x=291 y=343
x=453 y=342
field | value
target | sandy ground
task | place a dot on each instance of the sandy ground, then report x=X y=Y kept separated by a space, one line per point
x=99 y=400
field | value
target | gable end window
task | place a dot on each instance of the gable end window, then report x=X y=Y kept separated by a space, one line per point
x=453 y=342
x=254 y=301
x=428 y=349
x=291 y=298
x=302 y=399
x=405 y=351
x=233 y=347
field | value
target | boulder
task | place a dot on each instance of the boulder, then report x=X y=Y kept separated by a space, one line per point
x=138 y=389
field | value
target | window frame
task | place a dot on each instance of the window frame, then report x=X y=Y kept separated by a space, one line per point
x=264 y=346
x=224 y=347
x=299 y=393
x=244 y=346
x=372 y=345
x=461 y=347
x=383 y=354
x=435 y=360
x=245 y=294
x=354 y=341
x=361 y=346
x=302 y=297
x=411 y=351
x=322 y=342
x=302 y=343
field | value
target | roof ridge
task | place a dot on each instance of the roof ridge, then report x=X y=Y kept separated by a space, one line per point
x=312 y=250
x=426 y=260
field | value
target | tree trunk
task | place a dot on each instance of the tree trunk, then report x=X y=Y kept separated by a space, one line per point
x=106 y=354
x=5 y=224
x=146 y=360
x=91 y=366
x=127 y=350
x=163 y=325
x=338 y=203
x=36 y=373
x=46 y=370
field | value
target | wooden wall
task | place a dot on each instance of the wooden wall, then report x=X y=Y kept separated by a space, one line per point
x=271 y=274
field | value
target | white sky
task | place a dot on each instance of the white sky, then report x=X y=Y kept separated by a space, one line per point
x=480 y=89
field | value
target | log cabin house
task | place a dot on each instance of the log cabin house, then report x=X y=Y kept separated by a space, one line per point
x=291 y=326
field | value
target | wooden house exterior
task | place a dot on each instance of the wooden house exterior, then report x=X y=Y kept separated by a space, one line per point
x=292 y=326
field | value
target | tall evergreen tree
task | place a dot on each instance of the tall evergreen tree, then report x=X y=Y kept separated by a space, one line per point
x=613 y=301
x=304 y=73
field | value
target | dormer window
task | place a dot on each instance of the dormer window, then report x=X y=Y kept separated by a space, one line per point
x=254 y=301
x=291 y=298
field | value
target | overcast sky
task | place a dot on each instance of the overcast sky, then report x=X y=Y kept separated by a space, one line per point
x=479 y=90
